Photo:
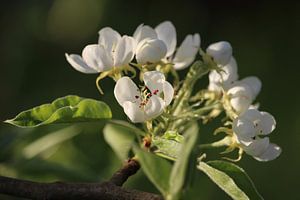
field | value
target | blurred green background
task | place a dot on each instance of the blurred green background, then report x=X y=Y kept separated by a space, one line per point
x=35 y=35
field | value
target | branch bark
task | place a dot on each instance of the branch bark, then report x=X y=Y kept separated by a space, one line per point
x=110 y=190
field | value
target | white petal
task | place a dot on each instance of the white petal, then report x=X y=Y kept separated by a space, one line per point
x=254 y=83
x=134 y=112
x=267 y=123
x=150 y=50
x=227 y=77
x=126 y=90
x=124 y=51
x=154 y=107
x=264 y=122
x=252 y=115
x=214 y=87
x=241 y=98
x=272 y=152
x=254 y=106
x=108 y=38
x=106 y=59
x=96 y=57
x=257 y=147
x=154 y=81
x=243 y=128
x=167 y=33
x=168 y=93
x=78 y=63
x=187 y=51
x=142 y=32
x=221 y=52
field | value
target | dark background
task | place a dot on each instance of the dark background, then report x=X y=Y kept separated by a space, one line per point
x=35 y=35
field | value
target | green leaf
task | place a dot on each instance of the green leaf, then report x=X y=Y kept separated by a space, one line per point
x=178 y=173
x=128 y=126
x=230 y=178
x=119 y=138
x=49 y=141
x=67 y=109
x=239 y=176
x=167 y=148
x=156 y=169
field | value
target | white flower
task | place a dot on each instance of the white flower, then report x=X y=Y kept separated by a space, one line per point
x=150 y=50
x=149 y=47
x=147 y=103
x=243 y=93
x=221 y=52
x=240 y=97
x=251 y=129
x=254 y=83
x=187 y=51
x=160 y=44
x=111 y=51
x=226 y=78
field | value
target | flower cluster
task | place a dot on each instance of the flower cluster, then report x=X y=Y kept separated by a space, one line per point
x=147 y=45
x=250 y=126
x=153 y=52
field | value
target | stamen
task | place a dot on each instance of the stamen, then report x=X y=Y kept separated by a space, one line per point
x=155 y=92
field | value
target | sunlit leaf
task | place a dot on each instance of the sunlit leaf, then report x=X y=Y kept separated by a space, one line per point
x=119 y=138
x=178 y=173
x=239 y=176
x=67 y=109
x=167 y=148
x=157 y=169
x=230 y=178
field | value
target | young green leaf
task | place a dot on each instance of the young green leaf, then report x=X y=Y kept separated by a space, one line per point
x=157 y=169
x=230 y=178
x=239 y=176
x=167 y=148
x=119 y=138
x=67 y=109
x=178 y=173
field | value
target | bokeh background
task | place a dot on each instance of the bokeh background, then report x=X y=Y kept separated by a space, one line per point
x=35 y=35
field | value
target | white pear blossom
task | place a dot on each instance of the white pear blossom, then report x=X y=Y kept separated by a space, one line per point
x=186 y=52
x=240 y=98
x=221 y=52
x=149 y=47
x=224 y=79
x=254 y=83
x=149 y=102
x=111 y=51
x=160 y=44
x=243 y=93
x=251 y=129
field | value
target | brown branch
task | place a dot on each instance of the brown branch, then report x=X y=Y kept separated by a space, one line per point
x=129 y=169
x=109 y=190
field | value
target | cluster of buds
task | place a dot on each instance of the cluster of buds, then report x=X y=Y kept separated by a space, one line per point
x=153 y=52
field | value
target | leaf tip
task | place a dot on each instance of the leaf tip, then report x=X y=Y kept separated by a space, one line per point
x=8 y=121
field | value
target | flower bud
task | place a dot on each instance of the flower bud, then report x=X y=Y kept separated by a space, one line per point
x=225 y=78
x=241 y=98
x=150 y=50
x=254 y=83
x=221 y=52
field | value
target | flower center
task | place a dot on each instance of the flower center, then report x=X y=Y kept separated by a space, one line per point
x=145 y=96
